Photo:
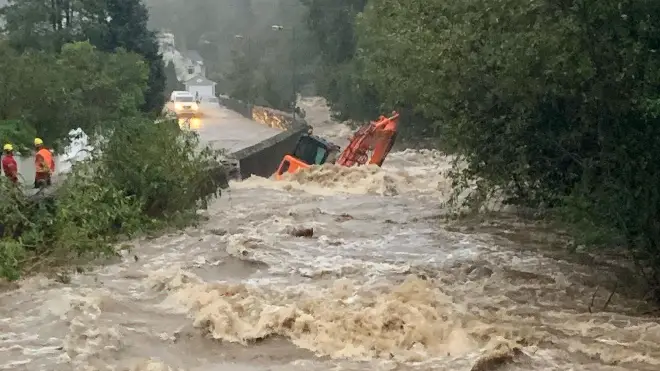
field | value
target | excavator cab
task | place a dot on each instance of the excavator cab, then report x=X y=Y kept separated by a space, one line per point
x=310 y=150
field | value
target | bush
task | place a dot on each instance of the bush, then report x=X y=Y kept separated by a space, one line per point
x=160 y=165
x=18 y=132
x=13 y=206
x=91 y=213
x=144 y=176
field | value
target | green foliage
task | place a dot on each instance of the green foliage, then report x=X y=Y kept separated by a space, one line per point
x=107 y=24
x=12 y=205
x=145 y=176
x=172 y=82
x=553 y=104
x=19 y=133
x=172 y=172
x=92 y=65
x=349 y=94
x=80 y=87
x=90 y=212
x=340 y=76
x=12 y=253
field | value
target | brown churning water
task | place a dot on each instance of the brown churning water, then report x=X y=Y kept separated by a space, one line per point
x=383 y=283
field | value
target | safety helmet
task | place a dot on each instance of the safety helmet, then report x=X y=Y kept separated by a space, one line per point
x=8 y=147
x=38 y=141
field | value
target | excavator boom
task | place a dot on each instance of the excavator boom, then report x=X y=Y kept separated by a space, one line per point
x=371 y=143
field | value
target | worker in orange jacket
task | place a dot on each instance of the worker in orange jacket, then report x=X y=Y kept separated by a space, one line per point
x=44 y=164
x=9 y=165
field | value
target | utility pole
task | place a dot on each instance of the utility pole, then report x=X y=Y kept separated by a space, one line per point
x=245 y=44
x=294 y=83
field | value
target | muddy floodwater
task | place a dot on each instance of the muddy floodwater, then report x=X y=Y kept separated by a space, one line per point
x=382 y=283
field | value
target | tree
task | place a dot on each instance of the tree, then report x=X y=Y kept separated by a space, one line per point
x=240 y=80
x=172 y=80
x=127 y=28
x=141 y=176
x=106 y=24
x=38 y=24
x=556 y=105
x=81 y=87
x=332 y=23
x=339 y=75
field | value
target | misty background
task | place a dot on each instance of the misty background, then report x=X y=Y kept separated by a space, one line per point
x=248 y=58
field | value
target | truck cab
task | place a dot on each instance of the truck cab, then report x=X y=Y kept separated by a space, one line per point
x=310 y=150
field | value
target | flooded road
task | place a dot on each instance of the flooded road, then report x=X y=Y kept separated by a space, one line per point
x=380 y=284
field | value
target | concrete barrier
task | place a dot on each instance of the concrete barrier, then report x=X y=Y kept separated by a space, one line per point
x=263 y=158
x=236 y=105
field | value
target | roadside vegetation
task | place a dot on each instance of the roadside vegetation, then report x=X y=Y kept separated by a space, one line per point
x=92 y=65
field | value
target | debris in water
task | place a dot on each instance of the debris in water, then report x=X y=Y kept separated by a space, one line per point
x=218 y=232
x=497 y=359
x=343 y=217
x=476 y=272
x=302 y=232
x=63 y=277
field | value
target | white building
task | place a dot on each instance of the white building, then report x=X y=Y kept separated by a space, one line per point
x=189 y=66
x=185 y=66
x=194 y=63
x=200 y=86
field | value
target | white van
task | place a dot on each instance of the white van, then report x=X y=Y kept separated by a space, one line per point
x=184 y=103
x=178 y=92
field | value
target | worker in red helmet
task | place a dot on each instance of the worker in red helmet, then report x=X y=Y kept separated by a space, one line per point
x=9 y=165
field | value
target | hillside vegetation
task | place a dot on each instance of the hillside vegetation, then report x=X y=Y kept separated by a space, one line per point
x=91 y=65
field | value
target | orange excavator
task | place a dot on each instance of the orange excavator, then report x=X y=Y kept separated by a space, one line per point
x=369 y=145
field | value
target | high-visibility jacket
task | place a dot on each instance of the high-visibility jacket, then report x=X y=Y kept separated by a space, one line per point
x=44 y=163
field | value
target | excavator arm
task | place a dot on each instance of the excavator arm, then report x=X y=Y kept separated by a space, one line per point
x=371 y=143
